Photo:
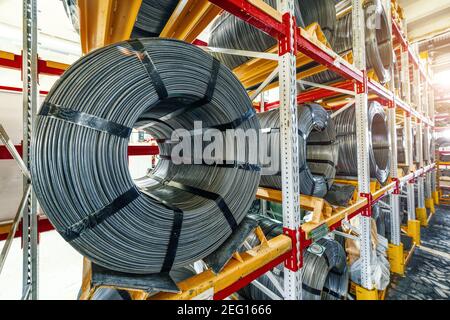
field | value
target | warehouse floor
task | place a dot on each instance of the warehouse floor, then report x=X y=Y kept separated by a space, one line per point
x=427 y=274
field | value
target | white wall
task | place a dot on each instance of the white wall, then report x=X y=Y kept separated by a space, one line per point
x=10 y=175
x=60 y=270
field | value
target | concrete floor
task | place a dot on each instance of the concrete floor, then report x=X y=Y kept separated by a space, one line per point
x=428 y=272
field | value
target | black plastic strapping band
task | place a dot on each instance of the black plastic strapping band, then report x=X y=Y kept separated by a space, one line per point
x=303 y=135
x=150 y=67
x=227 y=164
x=333 y=293
x=221 y=204
x=97 y=217
x=177 y=225
x=249 y=114
x=211 y=196
x=85 y=120
x=321 y=143
x=311 y=290
x=173 y=241
x=322 y=161
x=187 y=104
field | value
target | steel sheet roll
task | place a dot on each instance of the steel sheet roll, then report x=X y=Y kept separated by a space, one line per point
x=379 y=143
x=317 y=149
x=231 y=32
x=177 y=214
x=378 y=40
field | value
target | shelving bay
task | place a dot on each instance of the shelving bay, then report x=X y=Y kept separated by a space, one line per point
x=304 y=46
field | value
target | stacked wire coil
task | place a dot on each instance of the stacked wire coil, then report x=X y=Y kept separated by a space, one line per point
x=378 y=42
x=177 y=214
x=323 y=12
x=231 y=32
x=150 y=21
x=325 y=272
x=152 y=17
x=379 y=143
x=325 y=275
x=317 y=149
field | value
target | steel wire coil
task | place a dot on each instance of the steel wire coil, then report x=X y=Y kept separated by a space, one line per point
x=401 y=145
x=325 y=274
x=321 y=11
x=378 y=42
x=325 y=277
x=231 y=32
x=379 y=143
x=81 y=172
x=317 y=150
x=152 y=17
x=150 y=21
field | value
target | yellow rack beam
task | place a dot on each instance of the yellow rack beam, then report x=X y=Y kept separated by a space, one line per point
x=250 y=264
x=323 y=213
x=103 y=22
x=189 y=19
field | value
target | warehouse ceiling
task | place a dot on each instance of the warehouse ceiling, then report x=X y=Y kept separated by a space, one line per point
x=57 y=39
x=426 y=18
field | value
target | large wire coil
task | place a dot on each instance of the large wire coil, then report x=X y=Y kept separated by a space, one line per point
x=378 y=42
x=80 y=172
x=379 y=143
x=231 y=32
x=325 y=272
x=317 y=149
x=325 y=275
x=152 y=17
x=150 y=21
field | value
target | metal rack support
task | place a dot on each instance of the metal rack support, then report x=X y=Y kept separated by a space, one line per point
x=289 y=152
x=30 y=98
x=361 y=118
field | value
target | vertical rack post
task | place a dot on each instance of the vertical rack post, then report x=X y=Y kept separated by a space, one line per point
x=29 y=76
x=289 y=149
x=394 y=198
x=420 y=210
x=409 y=156
x=362 y=133
x=427 y=146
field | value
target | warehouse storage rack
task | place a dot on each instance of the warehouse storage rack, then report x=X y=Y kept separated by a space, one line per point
x=442 y=167
x=102 y=23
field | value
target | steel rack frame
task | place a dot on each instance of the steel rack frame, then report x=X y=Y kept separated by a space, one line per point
x=278 y=25
x=291 y=41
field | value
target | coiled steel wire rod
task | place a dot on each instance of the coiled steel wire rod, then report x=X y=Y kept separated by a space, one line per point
x=379 y=143
x=325 y=271
x=231 y=32
x=379 y=49
x=176 y=215
x=318 y=149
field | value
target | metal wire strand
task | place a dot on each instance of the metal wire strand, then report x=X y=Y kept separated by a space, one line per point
x=317 y=149
x=379 y=143
x=78 y=170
